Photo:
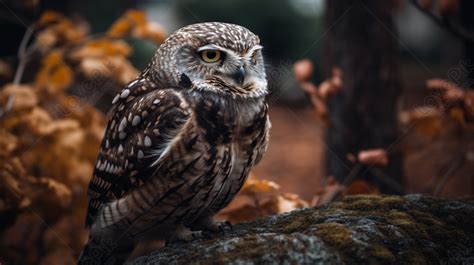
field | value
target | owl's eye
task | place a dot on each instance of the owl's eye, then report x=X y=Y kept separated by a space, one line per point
x=211 y=56
x=254 y=57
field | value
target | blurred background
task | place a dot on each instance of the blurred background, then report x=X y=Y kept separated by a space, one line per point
x=367 y=97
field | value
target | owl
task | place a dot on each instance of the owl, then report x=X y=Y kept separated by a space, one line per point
x=180 y=143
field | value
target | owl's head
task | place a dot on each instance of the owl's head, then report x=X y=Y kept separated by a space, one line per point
x=218 y=57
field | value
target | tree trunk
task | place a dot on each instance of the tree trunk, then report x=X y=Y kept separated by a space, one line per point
x=466 y=16
x=362 y=41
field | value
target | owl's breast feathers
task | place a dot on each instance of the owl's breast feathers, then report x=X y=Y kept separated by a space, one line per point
x=167 y=157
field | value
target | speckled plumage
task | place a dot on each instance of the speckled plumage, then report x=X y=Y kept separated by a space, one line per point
x=182 y=139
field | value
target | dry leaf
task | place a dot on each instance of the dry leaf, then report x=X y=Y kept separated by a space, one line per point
x=373 y=157
x=54 y=75
x=255 y=186
x=450 y=91
x=135 y=23
x=46 y=39
x=121 y=28
x=427 y=120
x=12 y=197
x=56 y=29
x=329 y=87
x=6 y=71
x=102 y=48
x=289 y=202
x=152 y=31
x=458 y=115
x=303 y=70
x=24 y=97
x=8 y=142
x=50 y=16
x=359 y=186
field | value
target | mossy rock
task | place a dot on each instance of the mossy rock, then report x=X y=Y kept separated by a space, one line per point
x=412 y=229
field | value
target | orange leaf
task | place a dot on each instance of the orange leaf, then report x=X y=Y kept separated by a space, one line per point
x=458 y=115
x=50 y=16
x=151 y=31
x=427 y=120
x=24 y=96
x=289 y=202
x=361 y=187
x=102 y=48
x=254 y=186
x=373 y=157
x=6 y=71
x=55 y=75
x=120 y=28
x=56 y=28
x=138 y=17
x=303 y=70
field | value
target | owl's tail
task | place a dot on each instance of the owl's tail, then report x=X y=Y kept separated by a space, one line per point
x=98 y=251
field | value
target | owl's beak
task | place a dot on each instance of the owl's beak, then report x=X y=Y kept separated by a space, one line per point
x=239 y=75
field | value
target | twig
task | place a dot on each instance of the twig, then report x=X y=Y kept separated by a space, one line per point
x=458 y=163
x=347 y=181
x=23 y=54
x=387 y=180
x=352 y=174
x=457 y=31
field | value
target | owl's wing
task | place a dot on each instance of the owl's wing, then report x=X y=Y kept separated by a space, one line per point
x=144 y=122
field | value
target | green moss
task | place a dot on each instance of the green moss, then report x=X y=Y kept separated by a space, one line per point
x=354 y=198
x=395 y=214
x=390 y=202
x=382 y=254
x=335 y=234
x=362 y=205
x=299 y=223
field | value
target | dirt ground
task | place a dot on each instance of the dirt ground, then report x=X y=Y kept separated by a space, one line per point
x=295 y=152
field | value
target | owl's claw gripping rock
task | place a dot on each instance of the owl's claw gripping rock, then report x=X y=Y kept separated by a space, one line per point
x=184 y=235
x=209 y=225
x=225 y=226
x=200 y=235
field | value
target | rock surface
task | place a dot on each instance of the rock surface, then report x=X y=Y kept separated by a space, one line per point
x=412 y=229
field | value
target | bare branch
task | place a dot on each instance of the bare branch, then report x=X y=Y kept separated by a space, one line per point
x=23 y=54
x=457 y=30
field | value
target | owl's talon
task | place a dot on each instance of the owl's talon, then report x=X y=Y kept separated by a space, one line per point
x=225 y=226
x=200 y=235
x=184 y=235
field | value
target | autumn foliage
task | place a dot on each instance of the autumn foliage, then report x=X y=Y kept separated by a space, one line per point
x=49 y=137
